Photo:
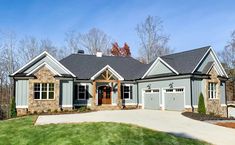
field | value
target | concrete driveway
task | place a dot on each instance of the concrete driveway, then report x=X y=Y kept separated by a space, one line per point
x=167 y=121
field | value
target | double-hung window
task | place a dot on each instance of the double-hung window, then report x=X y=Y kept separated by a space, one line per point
x=44 y=91
x=127 y=92
x=82 y=92
x=212 y=90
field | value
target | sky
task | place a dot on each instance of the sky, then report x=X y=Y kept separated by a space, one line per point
x=189 y=23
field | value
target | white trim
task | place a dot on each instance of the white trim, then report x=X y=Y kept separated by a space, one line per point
x=22 y=106
x=46 y=65
x=216 y=60
x=155 y=62
x=49 y=56
x=127 y=85
x=110 y=69
x=201 y=60
x=67 y=106
x=223 y=105
x=187 y=106
x=221 y=67
x=85 y=97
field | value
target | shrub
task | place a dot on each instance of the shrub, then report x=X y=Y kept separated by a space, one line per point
x=201 y=105
x=13 y=107
x=82 y=109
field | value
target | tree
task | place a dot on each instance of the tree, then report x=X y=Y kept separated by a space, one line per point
x=72 y=42
x=120 y=51
x=153 y=42
x=13 y=107
x=201 y=105
x=95 y=40
x=227 y=56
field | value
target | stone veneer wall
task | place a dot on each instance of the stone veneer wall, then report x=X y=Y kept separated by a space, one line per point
x=230 y=90
x=214 y=105
x=44 y=75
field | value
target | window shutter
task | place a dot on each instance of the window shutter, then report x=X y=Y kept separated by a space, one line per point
x=87 y=92
x=76 y=91
x=131 y=92
x=121 y=91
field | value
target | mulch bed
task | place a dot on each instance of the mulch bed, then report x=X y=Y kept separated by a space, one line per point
x=204 y=117
x=226 y=124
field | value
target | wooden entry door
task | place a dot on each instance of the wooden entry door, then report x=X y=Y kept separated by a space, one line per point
x=104 y=95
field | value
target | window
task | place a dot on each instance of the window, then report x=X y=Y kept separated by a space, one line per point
x=179 y=90
x=127 y=92
x=81 y=92
x=169 y=90
x=212 y=90
x=44 y=91
x=155 y=90
x=36 y=91
x=147 y=91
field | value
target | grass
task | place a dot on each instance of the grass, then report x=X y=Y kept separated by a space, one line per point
x=21 y=131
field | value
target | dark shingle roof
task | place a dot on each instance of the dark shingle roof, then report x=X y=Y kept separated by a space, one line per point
x=85 y=66
x=185 y=62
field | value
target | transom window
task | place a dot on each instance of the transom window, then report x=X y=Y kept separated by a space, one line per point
x=212 y=90
x=169 y=90
x=44 y=91
x=127 y=92
x=82 y=89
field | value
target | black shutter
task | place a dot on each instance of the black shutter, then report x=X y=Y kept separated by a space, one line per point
x=131 y=92
x=87 y=92
x=121 y=91
x=75 y=91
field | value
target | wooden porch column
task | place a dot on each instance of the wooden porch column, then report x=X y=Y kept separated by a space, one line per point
x=93 y=104
x=119 y=100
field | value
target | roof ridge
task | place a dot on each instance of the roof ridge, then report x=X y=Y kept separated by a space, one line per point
x=208 y=46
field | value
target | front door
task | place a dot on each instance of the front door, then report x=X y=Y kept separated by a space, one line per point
x=104 y=95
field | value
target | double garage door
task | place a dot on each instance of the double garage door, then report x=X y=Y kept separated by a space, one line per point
x=173 y=99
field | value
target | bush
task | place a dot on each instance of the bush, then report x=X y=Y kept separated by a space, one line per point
x=201 y=105
x=82 y=109
x=13 y=107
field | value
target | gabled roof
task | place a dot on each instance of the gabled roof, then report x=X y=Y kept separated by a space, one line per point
x=85 y=66
x=185 y=62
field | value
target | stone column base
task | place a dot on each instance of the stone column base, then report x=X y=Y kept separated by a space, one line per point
x=22 y=111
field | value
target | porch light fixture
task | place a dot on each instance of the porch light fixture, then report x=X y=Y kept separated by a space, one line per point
x=149 y=86
x=171 y=85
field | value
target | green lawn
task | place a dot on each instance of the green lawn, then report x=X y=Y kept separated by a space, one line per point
x=22 y=131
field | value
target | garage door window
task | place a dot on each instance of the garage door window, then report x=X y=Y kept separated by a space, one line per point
x=176 y=90
x=151 y=91
x=169 y=90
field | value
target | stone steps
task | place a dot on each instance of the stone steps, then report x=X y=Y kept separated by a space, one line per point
x=107 y=107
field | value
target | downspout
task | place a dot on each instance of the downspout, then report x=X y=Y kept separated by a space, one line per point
x=191 y=93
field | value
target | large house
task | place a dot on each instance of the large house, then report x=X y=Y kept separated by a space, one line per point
x=170 y=82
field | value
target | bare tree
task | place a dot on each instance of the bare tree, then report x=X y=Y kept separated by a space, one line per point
x=72 y=41
x=95 y=40
x=227 y=55
x=153 y=42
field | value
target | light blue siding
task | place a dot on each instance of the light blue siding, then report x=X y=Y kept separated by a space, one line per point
x=222 y=93
x=159 y=68
x=197 y=86
x=22 y=92
x=164 y=84
x=66 y=92
x=208 y=58
x=49 y=62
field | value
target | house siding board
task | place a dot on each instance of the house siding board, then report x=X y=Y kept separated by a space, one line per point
x=207 y=59
x=222 y=91
x=22 y=90
x=66 y=92
x=196 y=90
x=49 y=62
x=159 y=68
x=164 y=84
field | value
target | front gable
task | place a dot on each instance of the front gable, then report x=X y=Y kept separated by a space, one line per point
x=44 y=59
x=159 y=67
x=210 y=61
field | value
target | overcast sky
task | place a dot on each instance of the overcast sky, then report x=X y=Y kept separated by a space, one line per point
x=190 y=23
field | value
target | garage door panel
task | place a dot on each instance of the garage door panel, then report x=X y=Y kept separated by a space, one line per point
x=174 y=100
x=151 y=101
